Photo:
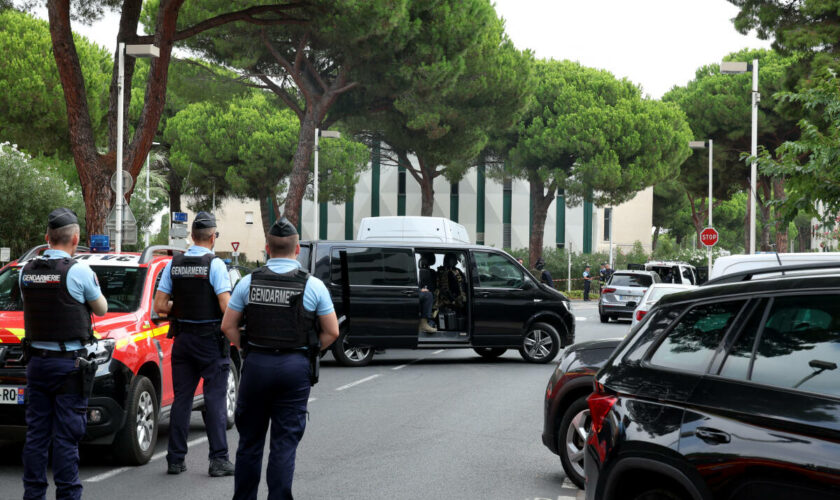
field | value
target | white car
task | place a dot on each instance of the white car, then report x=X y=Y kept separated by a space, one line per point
x=655 y=292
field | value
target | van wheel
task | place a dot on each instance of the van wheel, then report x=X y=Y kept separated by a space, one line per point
x=605 y=318
x=489 y=352
x=135 y=442
x=540 y=344
x=349 y=355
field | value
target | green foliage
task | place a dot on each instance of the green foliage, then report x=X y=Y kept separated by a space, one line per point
x=585 y=130
x=33 y=113
x=813 y=161
x=29 y=190
x=341 y=163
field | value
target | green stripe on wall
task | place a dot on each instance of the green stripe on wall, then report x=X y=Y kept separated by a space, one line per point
x=479 y=205
x=560 y=218
x=374 y=180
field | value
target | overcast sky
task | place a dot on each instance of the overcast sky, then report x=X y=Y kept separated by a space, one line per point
x=654 y=43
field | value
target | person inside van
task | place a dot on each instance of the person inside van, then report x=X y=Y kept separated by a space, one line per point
x=451 y=284
x=428 y=284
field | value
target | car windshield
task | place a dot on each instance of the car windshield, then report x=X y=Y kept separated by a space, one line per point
x=642 y=280
x=121 y=286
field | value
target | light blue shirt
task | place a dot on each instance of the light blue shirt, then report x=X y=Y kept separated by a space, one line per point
x=82 y=286
x=219 y=277
x=316 y=297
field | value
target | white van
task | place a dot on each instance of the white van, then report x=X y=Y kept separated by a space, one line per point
x=681 y=273
x=739 y=263
x=411 y=228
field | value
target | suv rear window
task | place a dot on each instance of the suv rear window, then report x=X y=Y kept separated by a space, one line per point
x=799 y=347
x=10 y=290
x=641 y=280
x=692 y=342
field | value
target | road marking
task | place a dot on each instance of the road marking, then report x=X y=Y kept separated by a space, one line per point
x=438 y=352
x=156 y=456
x=353 y=384
x=568 y=484
x=407 y=364
x=580 y=318
x=311 y=400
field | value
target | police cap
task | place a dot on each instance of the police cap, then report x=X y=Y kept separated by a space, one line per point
x=204 y=220
x=61 y=217
x=282 y=228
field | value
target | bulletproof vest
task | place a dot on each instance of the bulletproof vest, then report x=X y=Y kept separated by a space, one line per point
x=193 y=296
x=50 y=313
x=451 y=289
x=275 y=316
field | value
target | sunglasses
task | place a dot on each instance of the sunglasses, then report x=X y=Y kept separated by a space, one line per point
x=217 y=234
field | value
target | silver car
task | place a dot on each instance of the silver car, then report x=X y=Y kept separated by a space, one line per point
x=623 y=292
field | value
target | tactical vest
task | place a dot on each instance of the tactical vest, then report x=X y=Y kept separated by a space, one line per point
x=193 y=295
x=275 y=316
x=50 y=313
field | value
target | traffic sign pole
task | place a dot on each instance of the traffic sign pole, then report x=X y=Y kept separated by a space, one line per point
x=235 y=245
x=709 y=237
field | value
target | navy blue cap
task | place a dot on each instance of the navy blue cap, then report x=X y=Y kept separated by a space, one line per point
x=282 y=228
x=61 y=217
x=204 y=220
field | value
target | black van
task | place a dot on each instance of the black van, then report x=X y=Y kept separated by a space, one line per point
x=374 y=286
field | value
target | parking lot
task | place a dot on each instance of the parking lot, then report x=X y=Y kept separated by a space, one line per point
x=413 y=424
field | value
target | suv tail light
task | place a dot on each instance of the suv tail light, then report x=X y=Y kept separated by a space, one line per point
x=599 y=406
x=608 y=290
x=640 y=314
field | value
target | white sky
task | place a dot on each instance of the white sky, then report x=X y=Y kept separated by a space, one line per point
x=654 y=43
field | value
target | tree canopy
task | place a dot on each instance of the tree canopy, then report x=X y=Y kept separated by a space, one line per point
x=594 y=137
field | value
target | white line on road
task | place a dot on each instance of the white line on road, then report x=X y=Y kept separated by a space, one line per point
x=568 y=484
x=156 y=456
x=580 y=318
x=311 y=400
x=438 y=352
x=353 y=384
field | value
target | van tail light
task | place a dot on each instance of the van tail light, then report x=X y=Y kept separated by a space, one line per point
x=600 y=405
x=608 y=290
x=640 y=314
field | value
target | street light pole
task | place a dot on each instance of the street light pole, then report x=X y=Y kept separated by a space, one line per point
x=711 y=152
x=756 y=97
x=315 y=189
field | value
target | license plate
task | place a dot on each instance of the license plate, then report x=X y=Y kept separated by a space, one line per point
x=11 y=395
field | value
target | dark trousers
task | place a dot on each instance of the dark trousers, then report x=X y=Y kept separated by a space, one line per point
x=274 y=389
x=196 y=357
x=53 y=420
x=427 y=302
x=586 y=286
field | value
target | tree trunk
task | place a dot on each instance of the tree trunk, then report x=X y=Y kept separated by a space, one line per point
x=542 y=202
x=764 y=213
x=781 y=225
x=697 y=218
x=299 y=177
x=427 y=190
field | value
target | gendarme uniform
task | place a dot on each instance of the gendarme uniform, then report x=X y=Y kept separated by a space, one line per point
x=194 y=280
x=280 y=304
x=55 y=290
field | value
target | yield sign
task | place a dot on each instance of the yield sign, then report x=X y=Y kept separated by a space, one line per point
x=235 y=245
x=709 y=237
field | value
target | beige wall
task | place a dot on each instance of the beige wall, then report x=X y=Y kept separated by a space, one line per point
x=230 y=216
x=632 y=221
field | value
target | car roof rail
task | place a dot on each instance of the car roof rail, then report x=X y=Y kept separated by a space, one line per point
x=37 y=250
x=749 y=274
x=149 y=252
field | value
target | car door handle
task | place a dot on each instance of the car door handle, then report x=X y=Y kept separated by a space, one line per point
x=712 y=436
x=409 y=293
x=483 y=295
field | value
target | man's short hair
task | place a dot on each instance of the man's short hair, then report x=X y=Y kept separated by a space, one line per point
x=203 y=234
x=62 y=235
x=282 y=246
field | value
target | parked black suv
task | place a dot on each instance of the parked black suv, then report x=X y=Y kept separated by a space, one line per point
x=374 y=286
x=727 y=391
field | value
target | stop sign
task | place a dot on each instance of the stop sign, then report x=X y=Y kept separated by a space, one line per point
x=709 y=236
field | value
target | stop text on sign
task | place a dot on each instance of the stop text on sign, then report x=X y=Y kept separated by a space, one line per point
x=709 y=237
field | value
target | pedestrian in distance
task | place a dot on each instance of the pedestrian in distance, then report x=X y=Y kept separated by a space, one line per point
x=545 y=275
x=59 y=295
x=602 y=277
x=289 y=318
x=194 y=291
x=587 y=283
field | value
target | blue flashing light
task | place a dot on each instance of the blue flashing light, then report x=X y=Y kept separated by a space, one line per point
x=100 y=243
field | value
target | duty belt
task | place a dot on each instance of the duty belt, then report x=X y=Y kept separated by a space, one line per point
x=46 y=353
x=271 y=350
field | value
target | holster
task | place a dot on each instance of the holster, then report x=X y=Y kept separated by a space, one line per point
x=80 y=382
x=224 y=344
x=27 y=350
x=173 y=329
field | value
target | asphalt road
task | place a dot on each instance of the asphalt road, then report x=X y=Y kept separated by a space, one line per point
x=412 y=425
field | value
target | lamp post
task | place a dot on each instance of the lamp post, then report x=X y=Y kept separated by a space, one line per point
x=148 y=196
x=134 y=51
x=327 y=134
x=702 y=145
x=731 y=68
